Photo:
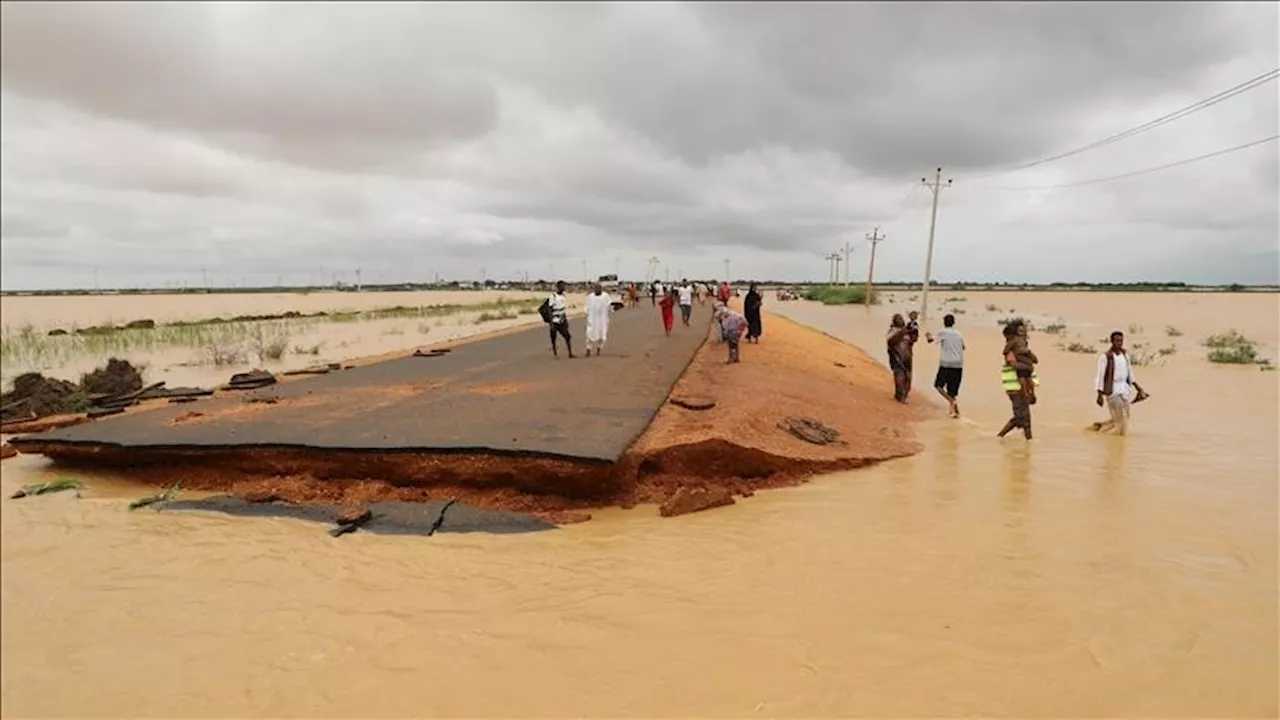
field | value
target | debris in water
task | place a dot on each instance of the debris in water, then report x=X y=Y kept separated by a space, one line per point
x=165 y=496
x=118 y=377
x=695 y=499
x=49 y=487
x=250 y=380
x=350 y=521
x=809 y=430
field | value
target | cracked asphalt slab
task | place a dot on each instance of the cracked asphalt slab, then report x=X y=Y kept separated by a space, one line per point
x=505 y=394
x=388 y=518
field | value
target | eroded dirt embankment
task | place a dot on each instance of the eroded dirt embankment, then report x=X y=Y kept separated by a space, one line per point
x=736 y=445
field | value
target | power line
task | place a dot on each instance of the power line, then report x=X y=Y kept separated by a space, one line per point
x=1144 y=171
x=1165 y=119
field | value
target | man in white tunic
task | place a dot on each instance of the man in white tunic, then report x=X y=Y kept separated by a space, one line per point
x=1113 y=383
x=599 y=308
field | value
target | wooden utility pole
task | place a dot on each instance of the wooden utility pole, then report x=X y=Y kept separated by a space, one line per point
x=875 y=238
x=936 y=188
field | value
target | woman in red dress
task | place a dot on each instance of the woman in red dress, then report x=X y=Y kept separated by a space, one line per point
x=668 y=304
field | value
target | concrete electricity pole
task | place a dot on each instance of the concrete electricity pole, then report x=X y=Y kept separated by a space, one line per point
x=652 y=274
x=357 y=279
x=936 y=188
x=847 y=250
x=875 y=238
x=833 y=268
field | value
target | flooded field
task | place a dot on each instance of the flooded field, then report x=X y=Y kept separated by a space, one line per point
x=1076 y=575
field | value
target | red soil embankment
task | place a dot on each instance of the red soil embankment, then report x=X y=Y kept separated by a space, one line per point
x=737 y=444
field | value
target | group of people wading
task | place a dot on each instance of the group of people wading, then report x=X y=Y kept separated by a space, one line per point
x=1114 y=381
x=600 y=306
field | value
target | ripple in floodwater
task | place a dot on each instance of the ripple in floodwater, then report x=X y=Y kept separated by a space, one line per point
x=1077 y=575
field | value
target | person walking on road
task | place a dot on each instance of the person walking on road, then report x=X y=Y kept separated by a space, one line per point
x=668 y=304
x=599 y=310
x=950 y=363
x=898 y=343
x=723 y=294
x=1112 y=384
x=685 y=293
x=558 y=306
x=751 y=305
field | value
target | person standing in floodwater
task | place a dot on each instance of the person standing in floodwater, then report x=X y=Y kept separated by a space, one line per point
x=559 y=306
x=1113 y=382
x=668 y=304
x=751 y=310
x=1013 y=387
x=950 y=363
x=1024 y=361
x=898 y=343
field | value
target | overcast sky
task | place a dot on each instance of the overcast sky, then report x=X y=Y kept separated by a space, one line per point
x=149 y=141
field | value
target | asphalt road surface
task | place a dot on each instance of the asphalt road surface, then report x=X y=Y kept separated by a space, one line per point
x=505 y=394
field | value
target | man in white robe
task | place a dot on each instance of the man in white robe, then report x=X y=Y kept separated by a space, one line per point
x=599 y=308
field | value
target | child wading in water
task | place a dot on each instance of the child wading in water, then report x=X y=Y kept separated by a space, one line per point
x=1024 y=361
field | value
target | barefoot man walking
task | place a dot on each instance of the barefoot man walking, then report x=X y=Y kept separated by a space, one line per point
x=1114 y=380
x=950 y=363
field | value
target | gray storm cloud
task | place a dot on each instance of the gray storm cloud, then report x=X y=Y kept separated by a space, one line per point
x=151 y=140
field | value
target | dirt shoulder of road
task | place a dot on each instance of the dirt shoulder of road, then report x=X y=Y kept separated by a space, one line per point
x=738 y=445
x=793 y=373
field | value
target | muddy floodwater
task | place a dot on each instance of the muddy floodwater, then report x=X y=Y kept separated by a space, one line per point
x=1076 y=575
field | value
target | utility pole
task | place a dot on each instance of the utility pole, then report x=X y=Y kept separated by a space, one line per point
x=617 y=268
x=726 y=270
x=833 y=264
x=875 y=239
x=847 y=250
x=652 y=273
x=936 y=188
x=357 y=279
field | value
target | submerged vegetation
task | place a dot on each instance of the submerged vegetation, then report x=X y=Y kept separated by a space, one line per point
x=1075 y=346
x=1233 y=348
x=839 y=295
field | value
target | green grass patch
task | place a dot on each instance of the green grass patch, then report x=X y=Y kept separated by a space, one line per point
x=839 y=295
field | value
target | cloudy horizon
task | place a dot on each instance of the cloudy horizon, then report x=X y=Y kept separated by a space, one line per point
x=157 y=144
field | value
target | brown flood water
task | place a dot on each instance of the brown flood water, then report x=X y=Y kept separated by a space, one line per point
x=1075 y=576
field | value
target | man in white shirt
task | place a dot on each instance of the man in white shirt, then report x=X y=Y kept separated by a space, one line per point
x=950 y=363
x=1113 y=383
x=686 y=301
x=559 y=306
